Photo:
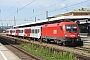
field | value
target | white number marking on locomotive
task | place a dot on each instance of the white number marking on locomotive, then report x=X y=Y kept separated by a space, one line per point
x=54 y=31
x=72 y=35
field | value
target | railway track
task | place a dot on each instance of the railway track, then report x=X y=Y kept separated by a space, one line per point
x=77 y=52
x=82 y=48
x=22 y=54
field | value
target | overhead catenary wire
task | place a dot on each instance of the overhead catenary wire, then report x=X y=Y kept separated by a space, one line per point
x=53 y=5
x=10 y=9
x=61 y=8
x=20 y=9
x=44 y=12
x=69 y=6
x=46 y=7
x=26 y=6
x=13 y=6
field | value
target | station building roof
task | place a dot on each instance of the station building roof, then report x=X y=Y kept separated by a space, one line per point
x=41 y=22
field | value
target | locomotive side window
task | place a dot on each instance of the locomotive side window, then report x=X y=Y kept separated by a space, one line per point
x=71 y=28
x=61 y=28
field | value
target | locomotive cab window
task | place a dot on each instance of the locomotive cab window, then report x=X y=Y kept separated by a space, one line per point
x=61 y=28
x=71 y=28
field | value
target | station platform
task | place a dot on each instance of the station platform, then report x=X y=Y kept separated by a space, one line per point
x=6 y=54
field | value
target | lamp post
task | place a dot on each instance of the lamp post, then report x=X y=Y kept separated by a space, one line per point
x=14 y=21
x=46 y=14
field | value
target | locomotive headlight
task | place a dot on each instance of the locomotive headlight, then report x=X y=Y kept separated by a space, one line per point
x=65 y=35
x=78 y=34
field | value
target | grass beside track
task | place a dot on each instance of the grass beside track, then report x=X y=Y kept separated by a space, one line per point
x=47 y=53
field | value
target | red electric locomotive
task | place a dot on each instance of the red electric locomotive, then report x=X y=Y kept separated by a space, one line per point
x=63 y=33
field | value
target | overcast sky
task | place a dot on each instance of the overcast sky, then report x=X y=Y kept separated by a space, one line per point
x=25 y=11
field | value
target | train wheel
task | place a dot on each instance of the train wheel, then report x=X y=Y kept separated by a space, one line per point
x=43 y=40
x=59 y=43
x=63 y=44
x=48 y=41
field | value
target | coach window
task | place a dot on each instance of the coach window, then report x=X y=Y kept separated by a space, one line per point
x=32 y=30
x=13 y=31
x=61 y=28
x=21 y=31
x=38 y=31
x=35 y=30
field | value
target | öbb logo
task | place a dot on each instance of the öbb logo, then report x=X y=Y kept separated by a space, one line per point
x=54 y=31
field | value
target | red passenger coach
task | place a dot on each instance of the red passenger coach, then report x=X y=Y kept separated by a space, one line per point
x=17 y=32
x=27 y=32
x=7 y=32
x=10 y=32
x=63 y=33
